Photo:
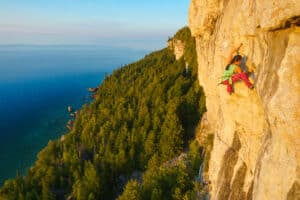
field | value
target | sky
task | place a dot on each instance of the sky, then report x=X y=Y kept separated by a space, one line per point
x=103 y=22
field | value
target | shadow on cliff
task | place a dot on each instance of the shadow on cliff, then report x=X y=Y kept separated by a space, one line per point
x=227 y=190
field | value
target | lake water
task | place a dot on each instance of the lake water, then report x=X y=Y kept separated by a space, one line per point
x=37 y=83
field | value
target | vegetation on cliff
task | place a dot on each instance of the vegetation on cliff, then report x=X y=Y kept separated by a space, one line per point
x=142 y=116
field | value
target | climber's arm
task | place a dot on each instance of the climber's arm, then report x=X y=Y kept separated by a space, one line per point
x=232 y=53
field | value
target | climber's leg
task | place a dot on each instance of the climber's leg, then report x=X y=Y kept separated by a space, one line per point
x=229 y=87
x=242 y=76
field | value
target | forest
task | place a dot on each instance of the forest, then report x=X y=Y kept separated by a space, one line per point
x=122 y=144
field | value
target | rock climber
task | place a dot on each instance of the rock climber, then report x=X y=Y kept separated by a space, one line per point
x=233 y=71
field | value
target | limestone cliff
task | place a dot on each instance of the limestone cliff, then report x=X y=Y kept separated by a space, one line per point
x=177 y=46
x=256 y=150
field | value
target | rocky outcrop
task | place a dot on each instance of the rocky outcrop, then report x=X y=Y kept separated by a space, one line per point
x=70 y=124
x=70 y=109
x=256 y=150
x=93 y=90
x=177 y=46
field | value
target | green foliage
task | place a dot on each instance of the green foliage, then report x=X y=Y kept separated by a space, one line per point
x=169 y=181
x=194 y=156
x=185 y=35
x=143 y=115
x=132 y=191
x=163 y=183
x=208 y=148
x=88 y=187
x=166 y=183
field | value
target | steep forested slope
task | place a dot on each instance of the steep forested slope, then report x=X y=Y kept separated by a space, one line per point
x=143 y=115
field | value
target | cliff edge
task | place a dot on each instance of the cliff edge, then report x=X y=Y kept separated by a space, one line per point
x=256 y=150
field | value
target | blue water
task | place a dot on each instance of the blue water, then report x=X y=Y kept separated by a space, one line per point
x=37 y=83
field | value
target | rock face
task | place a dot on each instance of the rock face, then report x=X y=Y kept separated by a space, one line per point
x=92 y=90
x=256 y=151
x=70 y=109
x=177 y=46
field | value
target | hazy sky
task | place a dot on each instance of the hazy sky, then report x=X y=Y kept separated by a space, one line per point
x=115 y=22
